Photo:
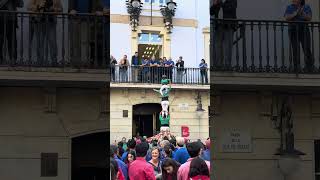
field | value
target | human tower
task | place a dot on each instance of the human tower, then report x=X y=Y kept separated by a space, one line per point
x=164 y=115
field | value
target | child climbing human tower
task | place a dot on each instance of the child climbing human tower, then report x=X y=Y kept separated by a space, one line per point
x=164 y=91
x=164 y=115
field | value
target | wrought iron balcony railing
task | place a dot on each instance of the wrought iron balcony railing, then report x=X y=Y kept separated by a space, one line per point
x=265 y=46
x=153 y=75
x=54 y=40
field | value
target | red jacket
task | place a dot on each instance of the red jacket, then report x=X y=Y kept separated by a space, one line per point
x=120 y=175
x=200 y=177
x=140 y=169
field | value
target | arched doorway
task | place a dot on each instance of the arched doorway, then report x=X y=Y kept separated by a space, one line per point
x=89 y=157
x=145 y=120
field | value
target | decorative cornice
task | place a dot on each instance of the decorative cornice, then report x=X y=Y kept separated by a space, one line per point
x=156 y=21
x=206 y=30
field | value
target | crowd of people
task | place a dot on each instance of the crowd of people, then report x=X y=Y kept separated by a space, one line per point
x=174 y=159
x=87 y=35
x=152 y=69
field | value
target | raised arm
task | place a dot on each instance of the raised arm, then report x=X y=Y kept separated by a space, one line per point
x=290 y=14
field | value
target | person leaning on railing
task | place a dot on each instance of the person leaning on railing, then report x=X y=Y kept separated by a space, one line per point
x=169 y=64
x=123 y=68
x=166 y=69
x=44 y=28
x=113 y=63
x=82 y=50
x=154 y=70
x=160 y=70
x=8 y=26
x=299 y=33
x=145 y=74
x=135 y=63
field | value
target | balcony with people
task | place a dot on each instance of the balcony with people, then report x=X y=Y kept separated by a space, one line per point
x=265 y=52
x=150 y=71
x=46 y=43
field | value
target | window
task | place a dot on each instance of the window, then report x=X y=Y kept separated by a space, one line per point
x=150 y=38
x=125 y=113
x=49 y=164
x=317 y=158
x=162 y=2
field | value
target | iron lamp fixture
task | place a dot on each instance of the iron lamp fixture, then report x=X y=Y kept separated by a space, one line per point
x=199 y=109
x=134 y=8
x=168 y=13
x=281 y=118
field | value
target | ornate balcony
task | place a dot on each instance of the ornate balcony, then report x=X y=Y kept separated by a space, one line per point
x=53 y=46
x=256 y=52
x=153 y=75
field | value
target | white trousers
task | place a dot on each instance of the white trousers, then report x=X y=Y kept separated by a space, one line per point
x=164 y=105
x=164 y=129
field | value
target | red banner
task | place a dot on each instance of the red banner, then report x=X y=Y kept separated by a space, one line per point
x=185 y=131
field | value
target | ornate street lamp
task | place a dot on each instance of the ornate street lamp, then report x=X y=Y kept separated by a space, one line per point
x=168 y=13
x=199 y=109
x=134 y=8
x=289 y=159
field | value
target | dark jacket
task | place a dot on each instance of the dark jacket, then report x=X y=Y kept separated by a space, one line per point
x=229 y=8
x=95 y=5
x=214 y=10
x=11 y=5
x=180 y=66
x=139 y=61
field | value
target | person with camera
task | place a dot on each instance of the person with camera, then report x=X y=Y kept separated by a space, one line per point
x=180 y=69
x=8 y=28
x=44 y=29
x=224 y=31
x=299 y=33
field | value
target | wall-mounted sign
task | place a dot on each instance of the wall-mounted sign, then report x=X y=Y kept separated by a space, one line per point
x=185 y=131
x=236 y=141
x=183 y=106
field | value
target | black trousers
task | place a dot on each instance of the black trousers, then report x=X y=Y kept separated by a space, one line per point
x=113 y=73
x=300 y=34
x=204 y=76
x=8 y=25
x=97 y=43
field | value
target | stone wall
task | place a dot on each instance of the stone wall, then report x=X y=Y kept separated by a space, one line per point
x=250 y=112
x=35 y=120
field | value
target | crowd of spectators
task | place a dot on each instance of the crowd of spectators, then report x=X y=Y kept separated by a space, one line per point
x=174 y=159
